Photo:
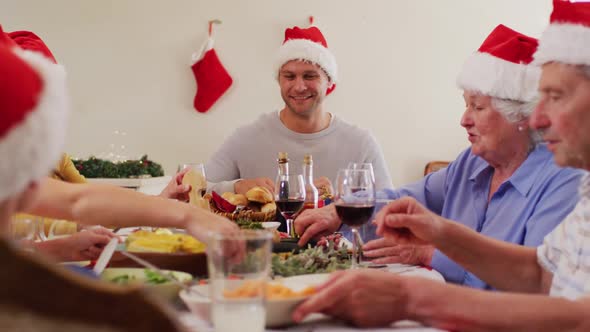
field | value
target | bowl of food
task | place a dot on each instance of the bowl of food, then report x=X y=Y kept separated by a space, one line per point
x=153 y=281
x=164 y=249
x=282 y=297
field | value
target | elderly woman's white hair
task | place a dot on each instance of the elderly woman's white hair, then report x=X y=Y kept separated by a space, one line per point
x=515 y=111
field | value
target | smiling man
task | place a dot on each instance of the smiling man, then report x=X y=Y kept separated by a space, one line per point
x=307 y=73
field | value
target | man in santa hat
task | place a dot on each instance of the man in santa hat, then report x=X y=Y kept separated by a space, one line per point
x=307 y=72
x=559 y=268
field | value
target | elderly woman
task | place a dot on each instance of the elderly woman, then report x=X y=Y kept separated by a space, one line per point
x=504 y=186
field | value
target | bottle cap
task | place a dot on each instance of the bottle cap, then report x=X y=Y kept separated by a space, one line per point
x=283 y=156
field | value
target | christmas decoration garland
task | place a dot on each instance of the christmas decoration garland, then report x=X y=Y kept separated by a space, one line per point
x=100 y=168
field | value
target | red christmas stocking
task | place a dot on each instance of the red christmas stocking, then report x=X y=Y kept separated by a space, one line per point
x=212 y=80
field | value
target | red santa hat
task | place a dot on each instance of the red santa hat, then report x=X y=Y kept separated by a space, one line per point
x=33 y=110
x=31 y=42
x=310 y=45
x=567 y=39
x=502 y=67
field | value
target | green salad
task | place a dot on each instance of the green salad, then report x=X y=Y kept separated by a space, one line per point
x=249 y=224
x=151 y=277
x=321 y=259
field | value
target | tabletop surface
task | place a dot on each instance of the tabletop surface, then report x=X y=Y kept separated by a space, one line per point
x=322 y=323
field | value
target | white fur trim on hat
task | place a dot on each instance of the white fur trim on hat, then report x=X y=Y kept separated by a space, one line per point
x=32 y=148
x=564 y=42
x=303 y=49
x=499 y=78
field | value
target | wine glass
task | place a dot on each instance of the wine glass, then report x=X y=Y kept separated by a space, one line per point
x=369 y=166
x=289 y=197
x=197 y=168
x=355 y=202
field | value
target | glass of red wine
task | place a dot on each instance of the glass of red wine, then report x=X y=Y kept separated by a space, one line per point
x=289 y=197
x=355 y=203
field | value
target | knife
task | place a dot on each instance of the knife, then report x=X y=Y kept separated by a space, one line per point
x=105 y=256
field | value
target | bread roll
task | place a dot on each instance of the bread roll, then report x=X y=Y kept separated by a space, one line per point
x=260 y=195
x=66 y=171
x=239 y=199
x=268 y=207
x=198 y=185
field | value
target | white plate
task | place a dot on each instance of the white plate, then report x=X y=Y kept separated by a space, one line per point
x=270 y=225
x=132 y=183
x=167 y=290
x=278 y=311
x=415 y=270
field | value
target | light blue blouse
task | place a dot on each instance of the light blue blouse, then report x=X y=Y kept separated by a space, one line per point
x=525 y=208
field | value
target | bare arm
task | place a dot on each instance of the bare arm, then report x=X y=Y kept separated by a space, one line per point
x=377 y=298
x=109 y=205
x=491 y=259
x=459 y=308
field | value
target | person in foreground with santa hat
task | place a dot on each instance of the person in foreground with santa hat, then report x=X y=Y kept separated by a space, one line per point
x=505 y=186
x=90 y=204
x=307 y=72
x=560 y=267
x=38 y=295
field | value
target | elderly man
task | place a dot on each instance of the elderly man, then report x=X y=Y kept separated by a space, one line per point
x=560 y=267
x=307 y=73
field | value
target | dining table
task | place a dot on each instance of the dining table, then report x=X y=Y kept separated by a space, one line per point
x=323 y=323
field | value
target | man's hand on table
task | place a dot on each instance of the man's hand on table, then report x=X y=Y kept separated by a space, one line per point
x=364 y=298
x=388 y=251
x=314 y=223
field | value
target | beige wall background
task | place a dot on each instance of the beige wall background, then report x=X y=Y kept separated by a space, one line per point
x=128 y=63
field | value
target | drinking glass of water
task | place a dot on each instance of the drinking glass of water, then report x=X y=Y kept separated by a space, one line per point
x=239 y=269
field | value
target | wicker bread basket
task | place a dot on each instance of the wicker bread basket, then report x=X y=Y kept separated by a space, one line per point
x=244 y=214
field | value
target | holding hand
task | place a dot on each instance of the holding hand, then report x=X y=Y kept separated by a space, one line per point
x=203 y=225
x=315 y=223
x=387 y=251
x=405 y=221
x=81 y=246
x=175 y=189
x=362 y=297
x=242 y=186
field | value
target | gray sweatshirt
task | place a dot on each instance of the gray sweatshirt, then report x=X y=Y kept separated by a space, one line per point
x=251 y=152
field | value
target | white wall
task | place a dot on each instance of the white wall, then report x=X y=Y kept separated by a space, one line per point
x=128 y=64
